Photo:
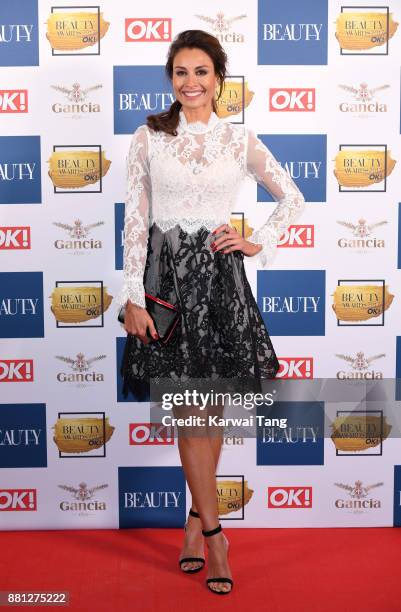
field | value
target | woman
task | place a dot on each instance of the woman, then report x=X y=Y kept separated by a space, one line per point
x=184 y=168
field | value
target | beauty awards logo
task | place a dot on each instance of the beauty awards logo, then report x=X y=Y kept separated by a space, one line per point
x=361 y=238
x=20 y=170
x=235 y=97
x=77 y=104
x=360 y=499
x=80 y=303
x=82 y=436
x=363 y=168
x=23 y=436
x=360 y=367
x=359 y=432
x=19 y=40
x=233 y=494
x=81 y=373
x=361 y=302
x=82 y=500
x=75 y=168
x=361 y=30
x=292 y=32
x=364 y=101
x=79 y=241
x=222 y=27
x=76 y=30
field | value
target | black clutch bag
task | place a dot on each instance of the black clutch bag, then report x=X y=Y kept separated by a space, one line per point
x=165 y=317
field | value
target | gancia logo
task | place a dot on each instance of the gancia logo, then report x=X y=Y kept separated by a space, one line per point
x=78 y=104
x=364 y=100
x=360 y=367
x=363 y=239
x=80 y=241
x=221 y=27
x=83 y=503
x=359 y=500
x=80 y=370
x=231 y=440
x=74 y=30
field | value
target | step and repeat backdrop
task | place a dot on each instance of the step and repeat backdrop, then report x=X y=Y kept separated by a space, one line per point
x=319 y=82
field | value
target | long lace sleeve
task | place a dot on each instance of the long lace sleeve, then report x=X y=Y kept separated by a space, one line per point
x=136 y=219
x=262 y=166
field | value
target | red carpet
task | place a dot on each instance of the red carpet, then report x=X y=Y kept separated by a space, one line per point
x=278 y=570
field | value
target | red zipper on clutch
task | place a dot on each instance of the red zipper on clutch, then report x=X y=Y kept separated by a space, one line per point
x=171 y=331
x=155 y=299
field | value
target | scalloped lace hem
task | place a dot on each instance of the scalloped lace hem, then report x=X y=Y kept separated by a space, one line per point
x=190 y=226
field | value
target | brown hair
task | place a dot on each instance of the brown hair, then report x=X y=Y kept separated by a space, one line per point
x=168 y=121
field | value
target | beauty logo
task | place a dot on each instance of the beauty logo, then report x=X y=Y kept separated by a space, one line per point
x=292 y=32
x=19 y=37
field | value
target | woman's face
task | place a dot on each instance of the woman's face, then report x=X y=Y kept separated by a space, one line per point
x=193 y=73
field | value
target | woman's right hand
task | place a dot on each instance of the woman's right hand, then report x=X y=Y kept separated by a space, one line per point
x=136 y=322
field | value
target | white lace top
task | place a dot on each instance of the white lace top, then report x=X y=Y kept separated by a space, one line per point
x=192 y=179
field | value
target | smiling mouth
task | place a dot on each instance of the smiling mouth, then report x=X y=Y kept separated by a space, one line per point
x=192 y=94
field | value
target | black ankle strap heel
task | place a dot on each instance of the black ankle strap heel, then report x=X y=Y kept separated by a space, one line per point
x=212 y=532
x=207 y=534
x=190 y=559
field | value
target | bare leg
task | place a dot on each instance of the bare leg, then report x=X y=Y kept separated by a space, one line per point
x=200 y=451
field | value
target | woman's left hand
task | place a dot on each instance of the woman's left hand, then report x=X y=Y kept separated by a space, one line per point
x=232 y=241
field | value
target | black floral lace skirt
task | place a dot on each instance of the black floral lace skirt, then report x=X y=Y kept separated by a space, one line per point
x=221 y=334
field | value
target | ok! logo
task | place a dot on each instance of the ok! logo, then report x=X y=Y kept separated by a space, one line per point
x=16 y=370
x=292 y=99
x=150 y=29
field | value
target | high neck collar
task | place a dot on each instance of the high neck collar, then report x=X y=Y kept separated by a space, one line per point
x=197 y=127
